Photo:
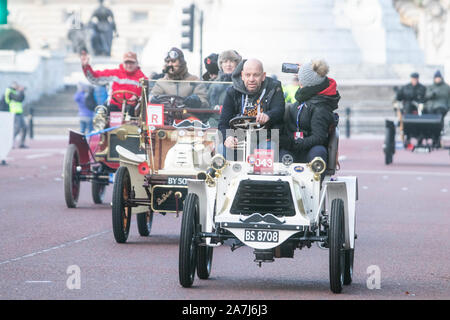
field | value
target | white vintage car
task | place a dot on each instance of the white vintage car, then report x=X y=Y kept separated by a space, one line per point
x=272 y=207
x=155 y=180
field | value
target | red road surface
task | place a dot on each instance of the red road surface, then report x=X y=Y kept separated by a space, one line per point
x=403 y=223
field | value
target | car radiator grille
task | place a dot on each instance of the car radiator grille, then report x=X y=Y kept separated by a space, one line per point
x=263 y=197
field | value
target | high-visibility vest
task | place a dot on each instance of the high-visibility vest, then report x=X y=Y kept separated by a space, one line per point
x=289 y=92
x=14 y=106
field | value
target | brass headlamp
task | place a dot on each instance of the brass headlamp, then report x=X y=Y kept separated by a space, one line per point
x=318 y=166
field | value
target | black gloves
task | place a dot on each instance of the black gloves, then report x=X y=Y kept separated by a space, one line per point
x=192 y=101
x=286 y=142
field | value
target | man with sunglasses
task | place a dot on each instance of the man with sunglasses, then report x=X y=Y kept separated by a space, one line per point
x=125 y=77
x=183 y=83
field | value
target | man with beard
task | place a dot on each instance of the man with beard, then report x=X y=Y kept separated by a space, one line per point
x=177 y=82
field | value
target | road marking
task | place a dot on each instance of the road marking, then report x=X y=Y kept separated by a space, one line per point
x=444 y=190
x=404 y=189
x=411 y=173
x=55 y=247
x=39 y=155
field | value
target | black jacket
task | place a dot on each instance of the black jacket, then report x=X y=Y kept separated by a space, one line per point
x=314 y=120
x=409 y=93
x=272 y=102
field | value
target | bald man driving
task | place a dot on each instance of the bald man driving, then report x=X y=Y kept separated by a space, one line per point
x=252 y=94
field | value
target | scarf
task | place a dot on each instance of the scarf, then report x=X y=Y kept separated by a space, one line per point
x=306 y=93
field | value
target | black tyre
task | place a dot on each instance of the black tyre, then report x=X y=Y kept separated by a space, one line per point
x=336 y=241
x=389 y=142
x=71 y=176
x=188 y=246
x=348 y=270
x=388 y=158
x=121 y=213
x=144 y=223
x=98 y=192
x=204 y=261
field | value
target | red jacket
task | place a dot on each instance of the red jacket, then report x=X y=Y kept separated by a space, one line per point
x=121 y=80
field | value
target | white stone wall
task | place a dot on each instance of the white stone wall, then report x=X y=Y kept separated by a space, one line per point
x=41 y=72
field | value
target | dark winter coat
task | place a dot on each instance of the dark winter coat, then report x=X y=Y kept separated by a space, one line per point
x=409 y=93
x=272 y=102
x=217 y=91
x=438 y=96
x=314 y=119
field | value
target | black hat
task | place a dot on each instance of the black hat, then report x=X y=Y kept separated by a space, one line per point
x=438 y=74
x=211 y=63
x=415 y=75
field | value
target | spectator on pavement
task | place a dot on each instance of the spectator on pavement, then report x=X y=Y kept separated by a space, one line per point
x=14 y=96
x=85 y=114
x=290 y=90
x=100 y=95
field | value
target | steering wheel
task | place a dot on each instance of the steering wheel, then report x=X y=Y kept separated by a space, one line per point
x=119 y=96
x=245 y=123
x=170 y=100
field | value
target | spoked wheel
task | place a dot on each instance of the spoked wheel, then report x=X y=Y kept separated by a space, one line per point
x=98 y=192
x=71 y=176
x=188 y=245
x=336 y=242
x=348 y=270
x=204 y=261
x=144 y=223
x=121 y=212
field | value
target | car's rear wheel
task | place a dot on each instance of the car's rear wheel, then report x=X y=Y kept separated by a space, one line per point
x=336 y=239
x=71 y=176
x=144 y=223
x=204 y=261
x=188 y=246
x=98 y=191
x=121 y=211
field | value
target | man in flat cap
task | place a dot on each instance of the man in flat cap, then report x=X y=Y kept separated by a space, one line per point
x=411 y=95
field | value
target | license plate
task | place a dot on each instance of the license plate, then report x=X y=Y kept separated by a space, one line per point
x=261 y=236
x=178 y=181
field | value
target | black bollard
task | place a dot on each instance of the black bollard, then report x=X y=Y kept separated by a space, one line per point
x=347 y=122
x=30 y=124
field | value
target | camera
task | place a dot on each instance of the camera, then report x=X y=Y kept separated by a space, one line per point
x=289 y=67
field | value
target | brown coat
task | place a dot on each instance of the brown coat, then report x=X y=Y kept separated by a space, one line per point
x=182 y=88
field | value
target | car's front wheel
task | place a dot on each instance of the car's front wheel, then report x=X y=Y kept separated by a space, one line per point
x=336 y=240
x=121 y=211
x=188 y=247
